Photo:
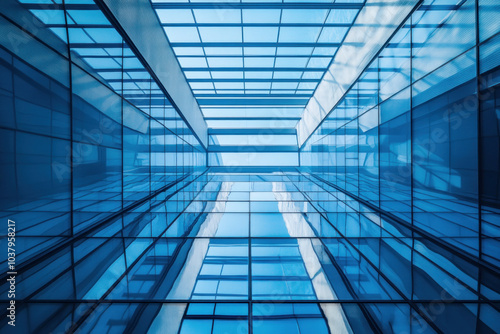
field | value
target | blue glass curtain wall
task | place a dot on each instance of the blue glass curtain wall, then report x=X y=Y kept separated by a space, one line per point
x=86 y=132
x=259 y=253
x=390 y=225
x=417 y=134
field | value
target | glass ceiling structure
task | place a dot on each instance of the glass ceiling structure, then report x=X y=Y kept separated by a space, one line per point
x=258 y=71
x=255 y=65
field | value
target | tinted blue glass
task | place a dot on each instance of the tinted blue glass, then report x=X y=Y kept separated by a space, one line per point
x=390 y=225
x=35 y=131
x=395 y=167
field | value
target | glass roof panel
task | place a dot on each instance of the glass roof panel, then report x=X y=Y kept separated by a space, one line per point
x=299 y=34
x=252 y=112
x=319 y=62
x=259 y=62
x=175 y=16
x=265 y=57
x=291 y=62
x=223 y=51
x=240 y=140
x=259 y=75
x=220 y=34
x=260 y=34
x=342 y=16
x=258 y=85
x=295 y=51
x=259 y=51
x=104 y=35
x=197 y=75
x=217 y=15
x=87 y=16
x=227 y=75
x=228 y=85
x=225 y=62
x=332 y=34
x=49 y=16
x=182 y=34
x=201 y=85
x=324 y=51
x=285 y=85
x=188 y=51
x=250 y=124
x=288 y=75
x=312 y=75
x=303 y=16
x=261 y=16
x=192 y=62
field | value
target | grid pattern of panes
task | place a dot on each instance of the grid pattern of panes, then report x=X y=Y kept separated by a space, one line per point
x=121 y=228
x=256 y=253
x=254 y=65
x=417 y=136
x=80 y=145
x=99 y=48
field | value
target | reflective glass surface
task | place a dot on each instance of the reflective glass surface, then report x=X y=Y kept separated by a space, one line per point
x=386 y=219
x=231 y=253
x=255 y=65
x=416 y=137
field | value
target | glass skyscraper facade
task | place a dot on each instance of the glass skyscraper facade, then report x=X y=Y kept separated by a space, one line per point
x=250 y=167
x=414 y=135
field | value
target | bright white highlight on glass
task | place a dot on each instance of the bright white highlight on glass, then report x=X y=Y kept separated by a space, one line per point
x=361 y=44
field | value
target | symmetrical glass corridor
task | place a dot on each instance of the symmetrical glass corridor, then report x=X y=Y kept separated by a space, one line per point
x=261 y=253
x=245 y=166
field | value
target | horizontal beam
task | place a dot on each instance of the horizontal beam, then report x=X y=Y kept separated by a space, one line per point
x=254 y=80
x=253 y=148
x=305 y=56
x=256 y=5
x=240 y=45
x=254 y=69
x=237 y=25
x=255 y=45
x=146 y=96
x=245 y=100
x=254 y=169
x=279 y=131
x=60 y=6
x=227 y=81
x=275 y=25
x=250 y=118
x=248 y=102
x=97 y=45
x=226 y=69
x=219 y=96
